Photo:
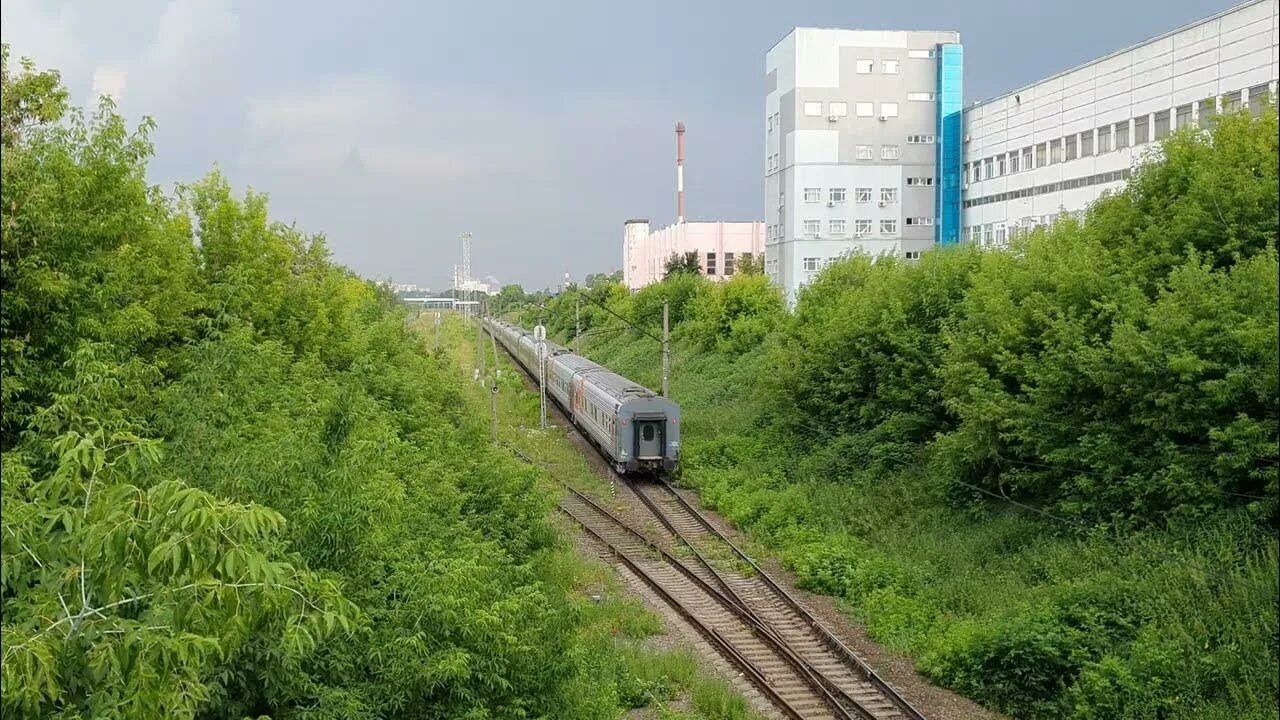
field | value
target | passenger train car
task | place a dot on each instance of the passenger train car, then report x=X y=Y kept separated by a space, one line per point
x=637 y=429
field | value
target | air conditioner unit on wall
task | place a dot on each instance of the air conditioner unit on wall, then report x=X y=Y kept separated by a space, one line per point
x=831 y=203
x=884 y=118
x=833 y=118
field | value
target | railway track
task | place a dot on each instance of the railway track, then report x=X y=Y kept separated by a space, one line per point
x=799 y=665
x=763 y=658
x=857 y=687
x=802 y=669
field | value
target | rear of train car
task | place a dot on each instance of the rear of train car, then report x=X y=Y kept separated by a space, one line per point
x=636 y=429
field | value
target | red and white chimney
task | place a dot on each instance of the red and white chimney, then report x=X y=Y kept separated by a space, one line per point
x=679 y=173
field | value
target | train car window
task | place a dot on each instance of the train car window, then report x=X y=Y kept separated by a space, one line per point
x=647 y=433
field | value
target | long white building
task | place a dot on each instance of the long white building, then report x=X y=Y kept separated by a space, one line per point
x=1057 y=144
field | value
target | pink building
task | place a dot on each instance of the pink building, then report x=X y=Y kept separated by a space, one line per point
x=719 y=245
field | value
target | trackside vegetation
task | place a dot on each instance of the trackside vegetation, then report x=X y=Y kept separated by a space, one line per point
x=237 y=484
x=1048 y=473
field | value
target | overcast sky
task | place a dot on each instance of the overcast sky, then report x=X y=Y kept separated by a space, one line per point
x=538 y=126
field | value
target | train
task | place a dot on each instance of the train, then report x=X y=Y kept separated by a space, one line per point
x=636 y=429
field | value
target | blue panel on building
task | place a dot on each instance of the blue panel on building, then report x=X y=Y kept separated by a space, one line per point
x=949 y=145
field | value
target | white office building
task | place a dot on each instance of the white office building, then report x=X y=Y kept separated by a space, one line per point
x=862 y=147
x=1054 y=146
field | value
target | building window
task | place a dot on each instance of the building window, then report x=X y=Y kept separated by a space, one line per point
x=1207 y=110
x=862 y=195
x=920 y=96
x=1231 y=102
x=811 y=264
x=812 y=108
x=1141 y=131
x=911 y=255
x=1086 y=144
x=1104 y=139
x=1122 y=135
x=728 y=263
x=986 y=234
x=864 y=66
x=919 y=221
x=920 y=54
x=861 y=227
x=840 y=109
x=836 y=195
x=1001 y=168
x=889 y=195
x=1042 y=155
x=888 y=227
x=836 y=227
x=920 y=139
x=1013 y=162
x=989 y=168
x=711 y=263
x=1184 y=116
x=919 y=181
x=864 y=109
x=812 y=195
x=769 y=122
x=889 y=67
x=888 y=152
x=1259 y=96
x=1162 y=124
x=888 y=109
x=1056 y=154
x=1000 y=236
x=1070 y=153
x=864 y=152
x=1027 y=160
x=812 y=227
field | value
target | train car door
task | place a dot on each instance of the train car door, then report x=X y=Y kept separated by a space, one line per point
x=649 y=439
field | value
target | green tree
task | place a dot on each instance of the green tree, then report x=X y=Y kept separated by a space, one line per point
x=28 y=99
x=597 y=279
x=749 y=264
x=507 y=299
x=678 y=263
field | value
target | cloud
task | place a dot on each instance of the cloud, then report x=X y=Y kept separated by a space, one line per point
x=111 y=81
x=193 y=38
x=374 y=121
x=46 y=34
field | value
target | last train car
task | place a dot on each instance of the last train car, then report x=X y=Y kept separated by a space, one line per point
x=636 y=429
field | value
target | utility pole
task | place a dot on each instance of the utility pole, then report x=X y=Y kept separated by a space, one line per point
x=540 y=334
x=497 y=372
x=666 y=351
x=577 y=324
x=480 y=348
x=493 y=412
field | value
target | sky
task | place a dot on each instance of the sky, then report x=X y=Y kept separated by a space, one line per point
x=538 y=127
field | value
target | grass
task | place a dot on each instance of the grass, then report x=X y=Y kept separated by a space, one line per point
x=617 y=631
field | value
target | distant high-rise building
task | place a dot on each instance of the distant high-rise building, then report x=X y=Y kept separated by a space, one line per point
x=862 y=147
